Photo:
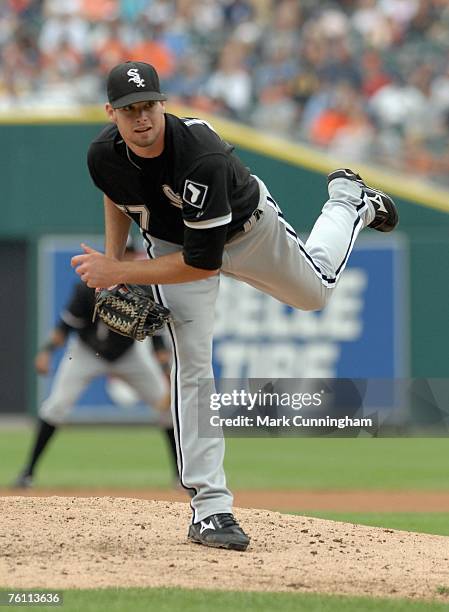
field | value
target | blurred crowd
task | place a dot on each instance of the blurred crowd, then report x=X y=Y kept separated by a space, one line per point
x=366 y=80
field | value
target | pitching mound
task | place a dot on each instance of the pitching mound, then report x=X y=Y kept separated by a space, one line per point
x=64 y=542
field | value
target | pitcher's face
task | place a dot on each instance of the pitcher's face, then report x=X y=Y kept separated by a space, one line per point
x=141 y=125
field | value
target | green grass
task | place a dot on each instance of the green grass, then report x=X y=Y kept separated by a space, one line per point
x=423 y=522
x=443 y=590
x=138 y=457
x=175 y=600
x=91 y=457
x=361 y=463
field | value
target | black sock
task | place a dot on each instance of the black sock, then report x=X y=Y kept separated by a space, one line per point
x=44 y=432
x=170 y=435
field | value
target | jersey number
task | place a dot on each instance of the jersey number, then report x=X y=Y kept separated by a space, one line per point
x=138 y=213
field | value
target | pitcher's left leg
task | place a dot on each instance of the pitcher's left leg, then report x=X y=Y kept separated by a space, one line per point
x=272 y=257
x=352 y=205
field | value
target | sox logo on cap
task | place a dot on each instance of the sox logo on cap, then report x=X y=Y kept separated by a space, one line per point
x=135 y=77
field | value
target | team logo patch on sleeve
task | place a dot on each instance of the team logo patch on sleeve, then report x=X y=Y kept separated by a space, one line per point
x=194 y=193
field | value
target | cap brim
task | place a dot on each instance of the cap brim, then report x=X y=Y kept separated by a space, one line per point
x=138 y=96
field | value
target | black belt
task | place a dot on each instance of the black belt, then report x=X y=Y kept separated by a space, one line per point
x=247 y=225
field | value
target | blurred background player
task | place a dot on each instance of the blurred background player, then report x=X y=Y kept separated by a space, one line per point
x=92 y=351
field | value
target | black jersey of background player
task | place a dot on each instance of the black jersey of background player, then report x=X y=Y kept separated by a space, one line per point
x=196 y=193
x=78 y=316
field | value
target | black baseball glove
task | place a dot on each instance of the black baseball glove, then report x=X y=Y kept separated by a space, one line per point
x=130 y=310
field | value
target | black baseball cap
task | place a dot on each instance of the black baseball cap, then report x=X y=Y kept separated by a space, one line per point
x=132 y=82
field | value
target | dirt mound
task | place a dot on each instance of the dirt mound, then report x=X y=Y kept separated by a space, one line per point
x=63 y=542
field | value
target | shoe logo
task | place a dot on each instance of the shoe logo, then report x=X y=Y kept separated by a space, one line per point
x=135 y=77
x=378 y=203
x=205 y=526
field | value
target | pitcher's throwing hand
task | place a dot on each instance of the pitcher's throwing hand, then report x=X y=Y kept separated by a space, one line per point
x=95 y=269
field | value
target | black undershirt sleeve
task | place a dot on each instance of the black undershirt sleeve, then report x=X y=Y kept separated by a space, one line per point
x=63 y=327
x=158 y=343
x=79 y=309
x=203 y=248
x=82 y=302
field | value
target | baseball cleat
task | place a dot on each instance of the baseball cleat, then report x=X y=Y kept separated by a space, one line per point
x=386 y=215
x=219 y=531
x=23 y=481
